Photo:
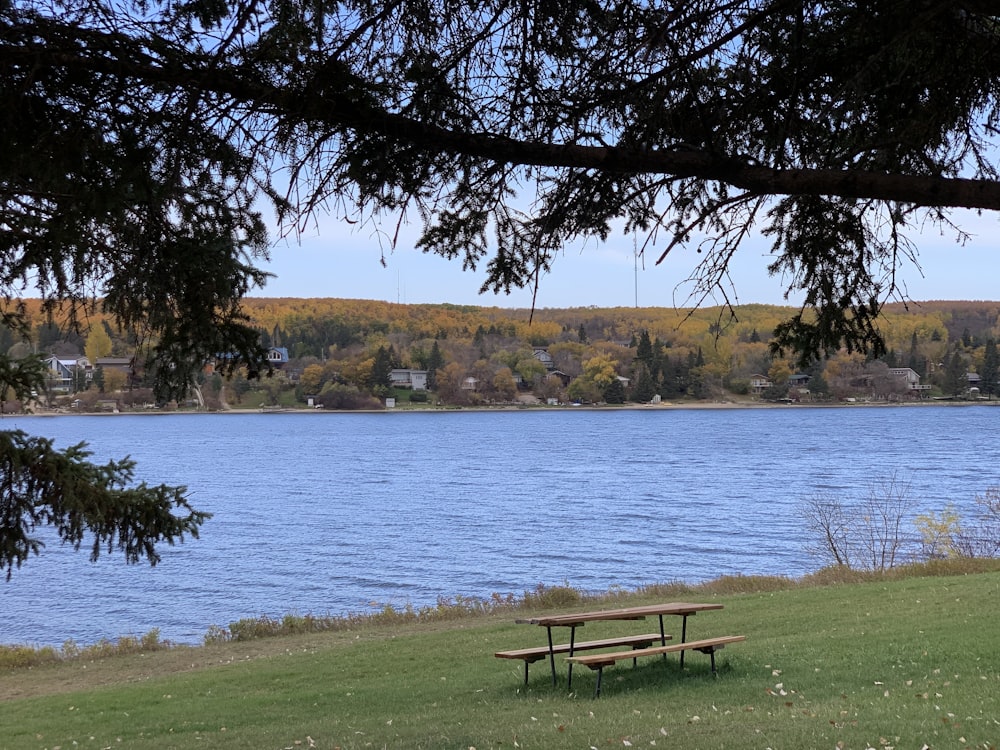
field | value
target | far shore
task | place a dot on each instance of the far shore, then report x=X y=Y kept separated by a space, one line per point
x=533 y=407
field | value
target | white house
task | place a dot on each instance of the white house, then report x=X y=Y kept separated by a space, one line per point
x=404 y=378
x=910 y=377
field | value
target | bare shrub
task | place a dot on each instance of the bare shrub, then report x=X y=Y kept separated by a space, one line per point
x=866 y=534
x=981 y=538
x=828 y=522
x=885 y=508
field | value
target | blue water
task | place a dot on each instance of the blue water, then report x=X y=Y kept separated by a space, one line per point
x=337 y=513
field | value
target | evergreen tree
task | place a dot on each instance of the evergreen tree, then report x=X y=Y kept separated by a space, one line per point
x=98 y=379
x=991 y=369
x=381 y=379
x=92 y=84
x=435 y=361
x=79 y=382
x=914 y=359
x=657 y=368
x=156 y=121
x=6 y=339
x=83 y=502
x=614 y=392
x=581 y=334
x=955 y=381
x=644 y=350
x=644 y=388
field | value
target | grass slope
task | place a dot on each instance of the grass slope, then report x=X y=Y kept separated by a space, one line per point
x=901 y=663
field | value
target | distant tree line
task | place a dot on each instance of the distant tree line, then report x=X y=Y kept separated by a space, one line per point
x=341 y=354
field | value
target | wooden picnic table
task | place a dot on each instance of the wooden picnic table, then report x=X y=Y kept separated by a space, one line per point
x=575 y=620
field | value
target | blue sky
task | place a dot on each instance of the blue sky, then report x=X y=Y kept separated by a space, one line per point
x=336 y=259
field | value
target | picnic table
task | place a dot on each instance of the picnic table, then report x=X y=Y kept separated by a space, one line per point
x=639 y=644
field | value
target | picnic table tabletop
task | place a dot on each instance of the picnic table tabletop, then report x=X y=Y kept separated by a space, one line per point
x=625 y=613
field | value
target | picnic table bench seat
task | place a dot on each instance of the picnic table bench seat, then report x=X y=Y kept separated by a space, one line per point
x=531 y=655
x=600 y=661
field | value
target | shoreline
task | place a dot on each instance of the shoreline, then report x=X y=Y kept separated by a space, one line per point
x=664 y=406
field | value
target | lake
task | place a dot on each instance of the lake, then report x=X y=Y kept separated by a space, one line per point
x=321 y=513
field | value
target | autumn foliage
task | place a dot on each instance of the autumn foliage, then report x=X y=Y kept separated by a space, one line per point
x=341 y=351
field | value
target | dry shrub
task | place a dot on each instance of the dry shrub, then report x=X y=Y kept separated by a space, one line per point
x=544 y=597
x=19 y=657
x=746 y=585
x=669 y=590
x=833 y=575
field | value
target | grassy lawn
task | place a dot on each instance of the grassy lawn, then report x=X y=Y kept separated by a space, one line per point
x=902 y=663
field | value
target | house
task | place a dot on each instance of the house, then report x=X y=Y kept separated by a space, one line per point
x=122 y=364
x=470 y=384
x=277 y=356
x=910 y=377
x=405 y=378
x=562 y=377
x=61 y=372
x=797 y=387
x=543 y=356
x=759 y=383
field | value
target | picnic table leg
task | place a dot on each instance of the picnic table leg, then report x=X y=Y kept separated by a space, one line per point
x=552 y=656
x=597 y=687
x=684 y=630
x=572 y=642
x=663 y=638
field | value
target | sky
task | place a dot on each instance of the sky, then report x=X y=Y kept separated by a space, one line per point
x=335 y=259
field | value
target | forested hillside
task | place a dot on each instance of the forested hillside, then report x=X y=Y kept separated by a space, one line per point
x=341 y=354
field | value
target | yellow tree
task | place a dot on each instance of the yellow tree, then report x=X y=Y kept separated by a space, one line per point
x=449 y=382
x=504 y=385
x=98 y=343
x=780 y=371
x=114 y=380
x=600 y=370
x=311 y=379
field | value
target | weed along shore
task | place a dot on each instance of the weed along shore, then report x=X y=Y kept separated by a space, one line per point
x=837 y=659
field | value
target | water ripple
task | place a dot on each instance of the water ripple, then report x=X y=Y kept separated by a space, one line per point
x=333 y=514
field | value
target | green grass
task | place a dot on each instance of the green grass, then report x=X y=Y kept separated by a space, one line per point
x=901 y=662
